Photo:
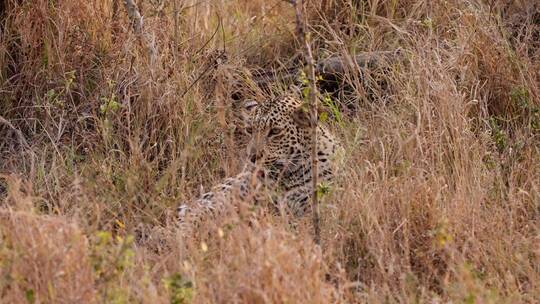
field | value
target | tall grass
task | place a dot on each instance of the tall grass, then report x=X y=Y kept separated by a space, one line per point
x=438 y=200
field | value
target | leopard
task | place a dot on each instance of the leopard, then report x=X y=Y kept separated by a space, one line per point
x=278 y=161
x=250 y=184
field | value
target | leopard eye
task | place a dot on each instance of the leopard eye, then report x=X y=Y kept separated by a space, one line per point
x=274 y=131
x=249 y=130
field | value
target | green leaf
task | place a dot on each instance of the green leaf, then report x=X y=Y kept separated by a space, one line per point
x=322 y=190
x=305 y=92
x=323 y=117
x=51 y=94
x=30 y=296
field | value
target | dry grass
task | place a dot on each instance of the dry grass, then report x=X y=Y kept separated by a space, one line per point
x=439 y=200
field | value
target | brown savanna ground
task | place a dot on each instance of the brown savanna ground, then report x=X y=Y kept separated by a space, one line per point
x=439 y=199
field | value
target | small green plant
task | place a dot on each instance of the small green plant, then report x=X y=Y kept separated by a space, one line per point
x=402 y=167
x=472 y=287
x=111 y=257
x=441 y=235
x=332 y=105
x=305 y=85
x=180 y=289
x=109 y=104
x=56 y=97
x=322 y=190
x=68 y=81
x=327 y=101
x=520 y=96
x=30 y=296
x=498 y=135
x=427 y=23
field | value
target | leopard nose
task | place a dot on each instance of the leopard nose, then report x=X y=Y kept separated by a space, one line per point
x=254 y=150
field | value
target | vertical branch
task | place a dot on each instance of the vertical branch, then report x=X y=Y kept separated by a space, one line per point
x=115 y=25
x=176 y=39
x=137 y=23
x=303 y=35
x=134 y=16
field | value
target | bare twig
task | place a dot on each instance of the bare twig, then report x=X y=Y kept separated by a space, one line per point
x=310 y=63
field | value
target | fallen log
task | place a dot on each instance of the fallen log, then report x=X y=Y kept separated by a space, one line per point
x=339 y=65
x=332 y=68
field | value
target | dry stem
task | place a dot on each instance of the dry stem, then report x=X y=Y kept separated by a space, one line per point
x=312 y=98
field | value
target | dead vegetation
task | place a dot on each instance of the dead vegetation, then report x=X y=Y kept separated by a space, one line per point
x=438 y=201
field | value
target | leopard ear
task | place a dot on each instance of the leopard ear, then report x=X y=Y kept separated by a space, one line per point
x=302 y=118
x=246 y=115
x=250 y=105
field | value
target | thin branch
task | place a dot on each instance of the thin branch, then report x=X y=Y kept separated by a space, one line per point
x=211 y=37
x=312 y=98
